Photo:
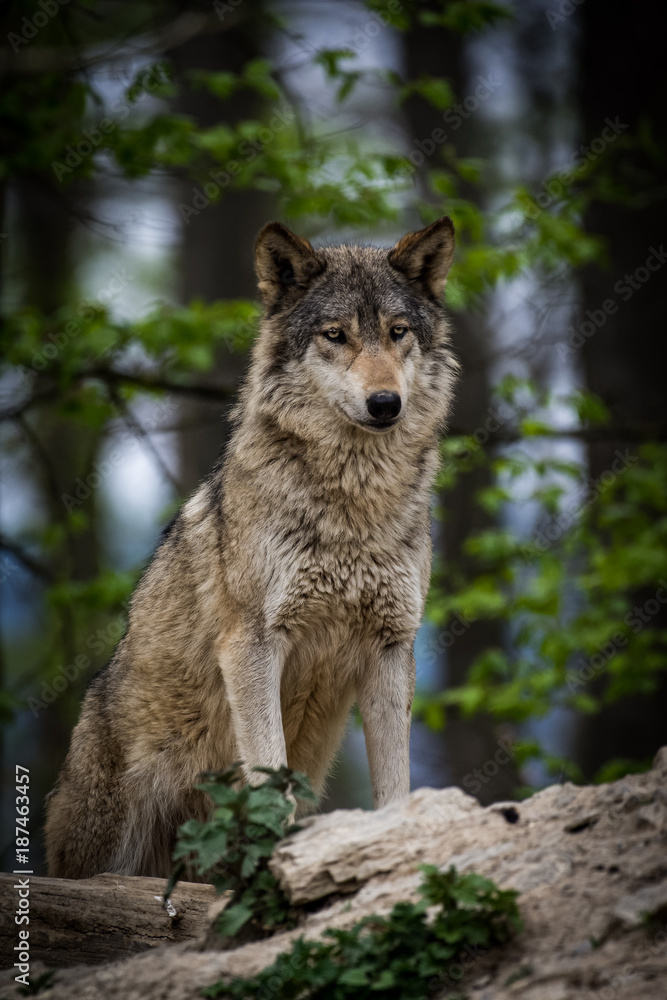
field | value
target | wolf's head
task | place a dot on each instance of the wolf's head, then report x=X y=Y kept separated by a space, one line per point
x=354 y=339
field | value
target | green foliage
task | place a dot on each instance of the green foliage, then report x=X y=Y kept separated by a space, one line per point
x=435 y=90
x=37 y=984
x=568 y=593
x=401 y=956
x=90 y=343
x=465 y=16
x=232 y=847
x=620 y=767
x=257 y=75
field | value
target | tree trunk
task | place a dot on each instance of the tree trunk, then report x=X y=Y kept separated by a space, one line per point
x=216 y=253
x=622 y=357
x=59 y=451
x=466 y=744
x=101 y=919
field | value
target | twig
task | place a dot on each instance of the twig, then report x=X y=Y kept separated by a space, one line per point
x=640 y=433
x=39 y=569
x=213 y=392
x=182 y=29
x=135 y=425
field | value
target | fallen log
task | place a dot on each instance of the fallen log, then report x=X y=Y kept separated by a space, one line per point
x=589 y=863
x=100 y=919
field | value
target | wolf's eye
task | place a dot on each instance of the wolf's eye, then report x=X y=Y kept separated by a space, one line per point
x=398 y=332
x=335 y=335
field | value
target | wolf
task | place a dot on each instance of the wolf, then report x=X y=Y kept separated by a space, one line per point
x=292 y=582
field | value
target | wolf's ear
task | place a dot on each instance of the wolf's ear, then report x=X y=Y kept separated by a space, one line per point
x=284 y=263
x=426 y=256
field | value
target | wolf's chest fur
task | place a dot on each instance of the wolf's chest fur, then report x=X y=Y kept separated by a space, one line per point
x=344 y=600
x=343 y=545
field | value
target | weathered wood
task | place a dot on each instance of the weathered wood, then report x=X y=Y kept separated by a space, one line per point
x=94 y=920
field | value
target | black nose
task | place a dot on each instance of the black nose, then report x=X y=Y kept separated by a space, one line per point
x=384 y=405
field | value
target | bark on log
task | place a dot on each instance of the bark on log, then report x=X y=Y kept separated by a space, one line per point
x=100 y=919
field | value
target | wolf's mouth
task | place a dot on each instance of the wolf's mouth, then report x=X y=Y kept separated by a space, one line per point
x=378 y=426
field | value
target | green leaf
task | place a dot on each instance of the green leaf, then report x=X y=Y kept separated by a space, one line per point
x=436 y=90
x=384 y=981
x=354 y=977
x=233 y=918
x=433 y=714
x=465 y=16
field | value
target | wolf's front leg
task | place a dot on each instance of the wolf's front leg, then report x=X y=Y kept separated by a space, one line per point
x=385 y=694
x=252 y=668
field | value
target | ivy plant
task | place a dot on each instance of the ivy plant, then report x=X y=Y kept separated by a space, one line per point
x=232 y=847
x=403 y=956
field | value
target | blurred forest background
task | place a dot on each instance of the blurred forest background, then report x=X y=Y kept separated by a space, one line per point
x=141 y=148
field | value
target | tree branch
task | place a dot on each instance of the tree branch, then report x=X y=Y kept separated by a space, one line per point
x=182 y=29
x=210 y=393
x=214 y=393
x=632 y=433
x=137 y=427
x=35 y=567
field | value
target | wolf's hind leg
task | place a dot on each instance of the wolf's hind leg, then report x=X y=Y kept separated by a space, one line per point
x=82 y=836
